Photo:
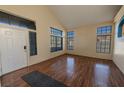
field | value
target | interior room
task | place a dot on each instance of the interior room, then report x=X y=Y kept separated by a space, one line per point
x=61 y=46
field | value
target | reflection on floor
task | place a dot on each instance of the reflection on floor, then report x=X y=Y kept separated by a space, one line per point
x=72 y=70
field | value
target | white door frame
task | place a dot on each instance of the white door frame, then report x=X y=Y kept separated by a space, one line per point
x=27 y=41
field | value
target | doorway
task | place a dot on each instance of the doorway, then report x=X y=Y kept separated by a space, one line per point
x=13 y=50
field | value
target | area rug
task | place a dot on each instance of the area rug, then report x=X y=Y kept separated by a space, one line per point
x=38 y=79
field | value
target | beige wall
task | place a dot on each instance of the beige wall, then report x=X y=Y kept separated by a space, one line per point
x=44 y=19
x=85 y=41
x=118 y=54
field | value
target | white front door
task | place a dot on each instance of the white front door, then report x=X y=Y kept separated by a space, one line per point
x=13 y=55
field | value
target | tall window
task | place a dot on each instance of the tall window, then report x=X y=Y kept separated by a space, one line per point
x=33 y=43
x=56 y=40
x=70 y=40
x=103 y=44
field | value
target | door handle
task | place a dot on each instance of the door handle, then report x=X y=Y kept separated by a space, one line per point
x=25 y=47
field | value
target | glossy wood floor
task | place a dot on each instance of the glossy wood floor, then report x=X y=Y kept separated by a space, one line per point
x=72 y=70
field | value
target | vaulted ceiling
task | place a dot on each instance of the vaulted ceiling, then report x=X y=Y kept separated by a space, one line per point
x=72 y=16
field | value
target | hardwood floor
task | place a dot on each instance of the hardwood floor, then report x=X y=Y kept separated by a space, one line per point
x=72 y=70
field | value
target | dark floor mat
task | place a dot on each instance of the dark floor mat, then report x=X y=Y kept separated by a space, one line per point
x=38 y=79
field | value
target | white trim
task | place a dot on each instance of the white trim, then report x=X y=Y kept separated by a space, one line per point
x=15 y=27
x=0 y=61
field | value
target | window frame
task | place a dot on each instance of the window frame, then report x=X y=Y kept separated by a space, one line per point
x=105 y=33
x=56 y=40
x=70 y=38
x=14 y=20
x=120 y=32
x=34 y=45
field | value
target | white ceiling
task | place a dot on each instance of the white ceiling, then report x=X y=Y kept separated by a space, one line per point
x=72 y=16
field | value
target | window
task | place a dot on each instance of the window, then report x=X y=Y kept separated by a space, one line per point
x=16 y=21
x=56 y=40
x=33 y=44
x=103 y=44
x=70 y=40
x=121 y=28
